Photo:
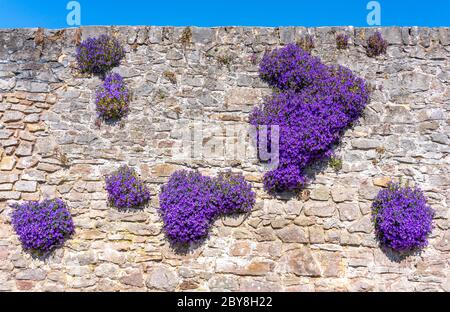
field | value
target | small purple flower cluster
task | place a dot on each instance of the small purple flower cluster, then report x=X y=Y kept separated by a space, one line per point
x=112 y=98
x=313 y=104
x=342 y=41
x=190 y=202
x=402 y=217
x=42 y=226
x=98 y=55
x=376 y=45
x=125 y=189
x=234 y=194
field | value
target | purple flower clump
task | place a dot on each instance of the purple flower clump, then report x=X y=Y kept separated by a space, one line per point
x=112 y=98
x=312 y=105
x=290 y=68
x=42 y=226
x=376 y=45
x=125 y=189
x=402 y=217
x=342 y=41
x=234 y=194
x=98 y=55
x=190 y=202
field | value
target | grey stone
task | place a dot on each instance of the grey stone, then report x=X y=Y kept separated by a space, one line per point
x=349 y=211
x=365 y=144
x=12 y=116
x=162 y=278
x=202 y=35
x=25 y=186
x=363 y=225
x=31 y=274
x=24 y=149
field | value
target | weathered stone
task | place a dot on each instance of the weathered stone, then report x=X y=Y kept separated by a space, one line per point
x=47 y=167
x=234 y=220
x=112 y=256
x=301 y=262
x=162 y=278
x=12 y=116
x=349 y=211
x=9 y=195
x=265 y=234
x=316 y=235
x=240 y=249
x=134 y=279
x=342 y=193
x=24 y=149
x=31 y=274
x=6 y=187
x=381 y=181
x=292 y=234
x=5 y=134
x=320 y=193
x=8 y=177
x=363 y=225
x=320 y=210
x=365 y=144
x=368 y=192
x=25 y=186
x=164 y=170
x=107 y=270
x=7 y=163
x=223 y=283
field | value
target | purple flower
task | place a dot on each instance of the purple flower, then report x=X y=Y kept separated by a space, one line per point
x=376 y=45
x=42 y=226
x=402 y=217
x=98 y=55
x=190 y=202
x=125 y=189
x=342 y=41
x=312 y=105
x=112 y=98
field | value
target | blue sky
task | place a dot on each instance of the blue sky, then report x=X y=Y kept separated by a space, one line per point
x=53 y=13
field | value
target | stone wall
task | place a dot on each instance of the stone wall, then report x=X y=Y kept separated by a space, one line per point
x=320 y=240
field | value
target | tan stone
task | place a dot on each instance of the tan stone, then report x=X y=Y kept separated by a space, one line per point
x=242 y=96
x=240 y=249
x=7 y=163
x=292 y=234
x=320 y=209
x=316 y=235
x=381 y=181
x=320 y=193
x=256 y=268
x=301 y=262
x=164 y=170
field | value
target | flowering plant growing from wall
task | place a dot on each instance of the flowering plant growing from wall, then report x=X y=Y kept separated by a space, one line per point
x=342 y=41
x=112 y=98
x=42 y=226
x=98 y=55
x=234 y=194
x=402 y=217
x=125 y=189
x=189 y=203
x=376 y=45
x=312 y=104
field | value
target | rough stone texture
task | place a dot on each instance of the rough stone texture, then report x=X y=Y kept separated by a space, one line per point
x=318 y=241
